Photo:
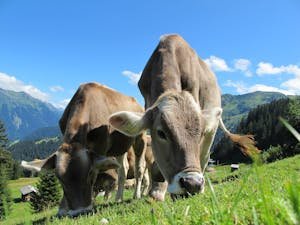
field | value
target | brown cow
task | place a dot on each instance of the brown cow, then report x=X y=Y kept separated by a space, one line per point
x=107 y=181
x=183 y=103
x=88 y=139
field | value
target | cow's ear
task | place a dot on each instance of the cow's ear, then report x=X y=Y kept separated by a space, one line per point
x=36 y=165
x=129 y=123
x=212 y=118
x=106 y=163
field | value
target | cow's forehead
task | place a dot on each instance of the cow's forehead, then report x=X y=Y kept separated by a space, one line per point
x=65 y=157
x=180 y=113
x=172 y=100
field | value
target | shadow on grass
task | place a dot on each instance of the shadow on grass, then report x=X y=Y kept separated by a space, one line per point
x=17 y=200
x=97 y=209
x=229 y=178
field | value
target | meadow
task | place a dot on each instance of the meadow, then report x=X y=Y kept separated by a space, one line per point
x=255 y=194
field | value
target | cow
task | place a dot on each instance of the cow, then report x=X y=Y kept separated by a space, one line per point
x=106 y=182
x=88 y=140
x=183 y=112
x=153 y=182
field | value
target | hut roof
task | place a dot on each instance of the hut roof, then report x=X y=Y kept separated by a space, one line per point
x=28 y=189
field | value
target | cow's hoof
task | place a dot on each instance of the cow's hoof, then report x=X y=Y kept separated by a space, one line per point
x=158 y=196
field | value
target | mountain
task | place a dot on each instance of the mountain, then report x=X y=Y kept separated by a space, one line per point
x=42 y=133
x=235 y=107
x=38 y=149
x=263 y=122
x=43 y=141
x=23 y=114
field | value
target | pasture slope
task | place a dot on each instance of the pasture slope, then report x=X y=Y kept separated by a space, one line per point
x=256 y=194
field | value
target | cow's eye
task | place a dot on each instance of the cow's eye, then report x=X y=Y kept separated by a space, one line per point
x=161 y=134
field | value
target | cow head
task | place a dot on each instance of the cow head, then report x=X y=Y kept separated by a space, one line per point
x=177 y=126
x=76 y=169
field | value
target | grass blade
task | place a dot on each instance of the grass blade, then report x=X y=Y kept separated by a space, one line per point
x=290 y=128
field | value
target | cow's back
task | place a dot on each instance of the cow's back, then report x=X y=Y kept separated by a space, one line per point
x=174 y=65
x=91 y=107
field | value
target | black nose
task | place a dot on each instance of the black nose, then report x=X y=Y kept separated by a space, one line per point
x=192 y=185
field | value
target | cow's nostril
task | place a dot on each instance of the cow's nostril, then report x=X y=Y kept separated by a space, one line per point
x=192 y=185
x=181 y=182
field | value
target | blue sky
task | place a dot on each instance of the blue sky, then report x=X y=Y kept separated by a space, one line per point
x=48 y=48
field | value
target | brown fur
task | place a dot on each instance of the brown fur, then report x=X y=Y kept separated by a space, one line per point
x=173 y=73
x=246 y=144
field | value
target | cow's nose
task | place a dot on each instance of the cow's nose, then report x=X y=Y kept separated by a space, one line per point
x=192 y=184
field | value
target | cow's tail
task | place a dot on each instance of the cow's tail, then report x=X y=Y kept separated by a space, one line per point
x=246 y=143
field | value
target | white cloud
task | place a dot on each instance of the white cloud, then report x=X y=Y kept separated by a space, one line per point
x=243 y=65
x=11 y=83
x=293 y=85
x=56 y=88
x=217 y=64
x=133 y=77
x=265 y=68
x=62 y=104
x=242 y=88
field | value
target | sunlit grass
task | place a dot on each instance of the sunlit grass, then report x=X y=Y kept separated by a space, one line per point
x=255 y=194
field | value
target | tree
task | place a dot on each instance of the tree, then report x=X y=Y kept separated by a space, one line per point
x=263 y=122
x=5 y=198
x=48 y=192
x=3 y=136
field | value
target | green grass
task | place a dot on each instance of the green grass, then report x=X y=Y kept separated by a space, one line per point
x=266 y=194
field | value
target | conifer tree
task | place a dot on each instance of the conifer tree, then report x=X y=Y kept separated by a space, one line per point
x=5 y=198
x=48 y=192
x=3 y=136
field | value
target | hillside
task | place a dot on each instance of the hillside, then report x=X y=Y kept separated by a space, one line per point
x=235 y=107
x=266 y=194
x=263 y=122
x=41 y=133
x=34 y=149
x=23 y=114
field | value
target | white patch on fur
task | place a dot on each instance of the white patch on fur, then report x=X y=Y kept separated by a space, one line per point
x=175 y=188
x=212 y=118
x=80 y=210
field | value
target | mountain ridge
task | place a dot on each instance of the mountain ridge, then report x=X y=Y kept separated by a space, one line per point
x=22 y=113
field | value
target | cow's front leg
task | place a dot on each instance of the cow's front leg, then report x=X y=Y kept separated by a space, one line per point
x=146 y=182
x=139 y=147
x=140 y=166
x=122 y=175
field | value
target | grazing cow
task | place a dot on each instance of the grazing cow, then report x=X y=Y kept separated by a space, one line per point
x=88 y=139
x=106 y=182
x=183 y=103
